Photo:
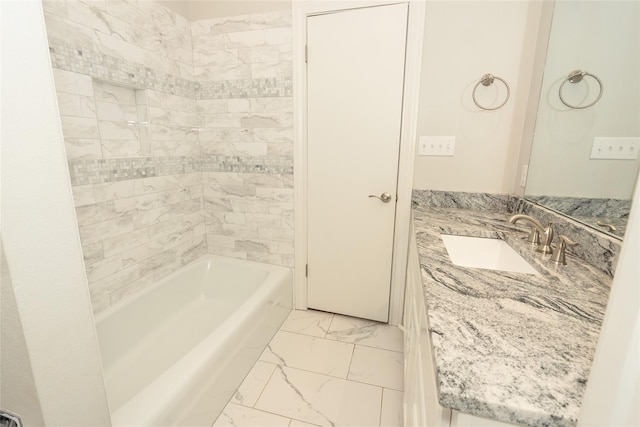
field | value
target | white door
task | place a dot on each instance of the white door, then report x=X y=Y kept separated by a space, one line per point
x=355 y=76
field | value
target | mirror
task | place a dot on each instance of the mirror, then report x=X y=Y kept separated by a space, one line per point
x=576 y=166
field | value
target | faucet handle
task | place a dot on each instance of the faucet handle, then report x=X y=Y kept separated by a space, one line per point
x=534 y=237
x=558 y=257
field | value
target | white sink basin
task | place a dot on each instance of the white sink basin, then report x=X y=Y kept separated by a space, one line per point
x=490 y=254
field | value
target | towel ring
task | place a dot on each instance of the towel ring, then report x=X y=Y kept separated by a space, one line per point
x=576 y=77
x=487 y=80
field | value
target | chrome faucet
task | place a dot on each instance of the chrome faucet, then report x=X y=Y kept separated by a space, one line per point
x=544 y=245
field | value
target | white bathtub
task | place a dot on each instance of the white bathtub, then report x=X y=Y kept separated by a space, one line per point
x=175 y=353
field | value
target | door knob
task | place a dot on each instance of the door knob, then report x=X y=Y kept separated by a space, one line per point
x=385 y=197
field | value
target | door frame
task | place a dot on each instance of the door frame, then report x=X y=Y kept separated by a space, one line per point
x=413 y=62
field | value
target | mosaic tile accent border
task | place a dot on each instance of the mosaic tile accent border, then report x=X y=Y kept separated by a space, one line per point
x=251 y=88
x=99 y=171
x=106 y=67
x=267 y=165
x=80 y=59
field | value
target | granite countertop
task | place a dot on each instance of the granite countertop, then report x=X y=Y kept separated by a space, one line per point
x=508 y=346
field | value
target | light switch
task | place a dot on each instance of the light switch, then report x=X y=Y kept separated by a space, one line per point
x=615 y=148
x=437 y=146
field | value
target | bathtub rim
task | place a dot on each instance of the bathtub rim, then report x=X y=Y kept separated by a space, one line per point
x=130 y=299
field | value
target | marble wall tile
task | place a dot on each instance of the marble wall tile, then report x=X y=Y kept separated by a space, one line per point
x=92 y=253
x=276 y=19
x=76 y=105
x=70 y=82
x=245 y=39
x=221 y=25
x=209 y=43
x=131 y=14
x=285 y=52
x=81 y=148
x=116 y=112
x=277 y=36
x=119 y=131
x=272 y=105
x=93 y=15
x=268 y=120
x=57 y=7
x=227 y=134
x=118 y=244
x=59 y=27
x=161 y=132
x=266 y=258
x=93 y=233
x=136 y=204
x=261 y=70
x=172 y=117
x=220 y=120
x=224 y=72
x=83 y=195
x=210 y=106
x=248 y=149
x=104 y=268
x=175 y=148
x=113 y=46
x=140 y=253
x=96 y=212
x=273 y=135
x=131 y=288
x=170 y=102
x=283 y=248
x=104 y=287
x=119 y=148
x=263 y=220
x=79 y=127
x=139 y=188
x=118 y=190
x=280 y=149
x=259 y=54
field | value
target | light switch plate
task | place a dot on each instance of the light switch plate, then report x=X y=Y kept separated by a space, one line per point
x=615 y=148
x=437 y=146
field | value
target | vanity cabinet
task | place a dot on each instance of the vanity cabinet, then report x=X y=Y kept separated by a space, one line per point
x=420 y=402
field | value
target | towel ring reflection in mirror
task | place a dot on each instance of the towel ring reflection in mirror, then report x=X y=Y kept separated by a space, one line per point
x=576 y=77
x=487 y=80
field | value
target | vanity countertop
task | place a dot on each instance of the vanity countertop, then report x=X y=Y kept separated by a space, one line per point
x=508 y=346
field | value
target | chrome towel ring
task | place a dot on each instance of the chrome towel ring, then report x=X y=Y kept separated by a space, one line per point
x=576 y=77
x=487 y=80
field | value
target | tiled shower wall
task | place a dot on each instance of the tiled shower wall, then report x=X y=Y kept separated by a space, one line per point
x=138 y=157
x=245 y=112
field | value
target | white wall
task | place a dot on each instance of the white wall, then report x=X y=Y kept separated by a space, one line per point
x=39 y=230
x=463 y=41
x=602 y=37
x=17 y=388
x=613 y=391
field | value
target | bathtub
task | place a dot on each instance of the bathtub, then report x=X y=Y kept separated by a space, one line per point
x=175 y=353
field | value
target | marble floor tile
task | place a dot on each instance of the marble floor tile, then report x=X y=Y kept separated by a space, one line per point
x=308 y=322
x=253 y=384
x=321 y=399
x=376 y=366
x=309 y=353
x=242 y=416
x=365 y=332
x=391 y=415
